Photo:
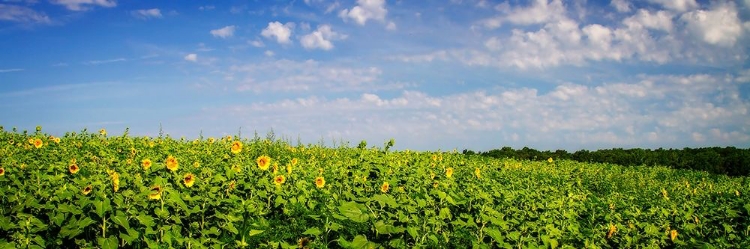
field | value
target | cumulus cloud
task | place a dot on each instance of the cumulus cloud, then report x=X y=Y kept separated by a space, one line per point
x=365 y=10
x=191 y=57
x=540 y=11
x=281 y=32
x=22 y=14
x=147 y=13
x=224 y=32
x=82 y=5
x=720 y=26
x=621 y=5
x=677 y=5
x=321 y=38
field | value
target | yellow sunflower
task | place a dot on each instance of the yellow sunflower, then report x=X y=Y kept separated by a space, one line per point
x=384 y=187
x=612 y=230
x=279 y=179
x=549 y=160
x=673 y=234
x=2 y=171
x=320 y=182
x=236 y=147
x=115 y=181
x=87 y=190
x=449 y=172
x=172 y=163
x=264 y=162
x=146 y=163
x=236 y=168
x=211 y=140
x=103 y=132
x=477 y=172
x=38 y=143
x=289 y=169
x=189 y=179
x=294 y=161
x=155 y=192
x=73 y=168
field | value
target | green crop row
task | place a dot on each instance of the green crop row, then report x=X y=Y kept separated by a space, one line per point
x=93 y=190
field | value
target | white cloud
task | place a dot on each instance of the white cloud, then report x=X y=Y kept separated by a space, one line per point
x=720 y=26
x=147 y=13
x=99 y=62
x=365 y=10
x=191 y=57
x=207 y=7
x=269 y=53
x=257 y=43
x=287 y=75
x=663 y=109
x=224 y=32
x=22 y=14
x=390 y=26
x=540 y=11
x=11 y=70
x=677 y=5
x=321 y=38
x=82 y=5
x=661 y=20
x=281 y=32
x=621 y=5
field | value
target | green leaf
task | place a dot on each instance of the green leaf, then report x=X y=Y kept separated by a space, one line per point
x=254 y=232
x=129 y=237
x=102 y=207
x=175 y=198
x=230 y=227
x=383 y=228
x=108 y=243
x=312 y=231
x=85 y=222
x=145 y=220
x=353 y=211
x=121 y=219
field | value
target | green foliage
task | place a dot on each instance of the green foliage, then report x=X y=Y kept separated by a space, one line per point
x=727 y=161
x=232 y=202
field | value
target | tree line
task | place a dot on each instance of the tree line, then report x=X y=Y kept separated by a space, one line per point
x=728 y=160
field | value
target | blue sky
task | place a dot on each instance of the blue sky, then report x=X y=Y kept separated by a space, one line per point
x=433 y=75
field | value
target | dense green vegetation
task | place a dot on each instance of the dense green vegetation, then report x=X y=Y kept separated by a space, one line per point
x=728 y=161
x=98 y=191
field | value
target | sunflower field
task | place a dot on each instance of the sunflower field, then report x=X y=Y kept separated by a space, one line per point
x=91 y=190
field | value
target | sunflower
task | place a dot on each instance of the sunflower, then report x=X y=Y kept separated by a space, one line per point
x=275 y=168
x=279 y=179
x=2 y=171
x=232 y=186
x=172 y=163
x=289 y=169
x=320 y=182
x=673 y=234
x=189 y=179
x=435 y=184
x=449 y=172
x=549 y=160
x=196 y=165
x=87 y=190
x=155 y=192
x=229 y=138
x=38 y=143
x=211 y=140
x=236 y=168
x=263 y=162
x=115 y=181
x=103 y=132
x=73 y=168
x=146 y=163
x=294 y=161
x=432 y=175
x=477 y=172
x=31 y=140
x=612 y=230
x=303 y=242
x=384 y=187
x=236 y=147
x=434 y=158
